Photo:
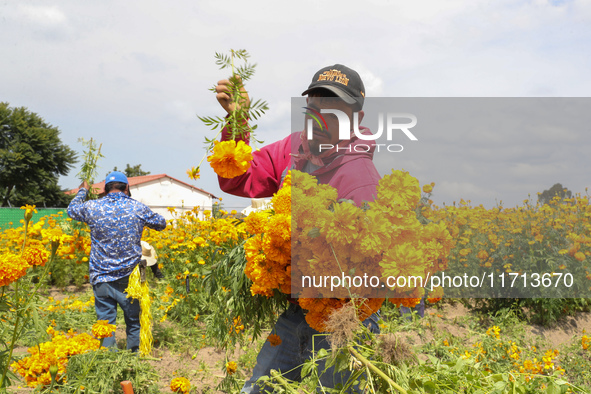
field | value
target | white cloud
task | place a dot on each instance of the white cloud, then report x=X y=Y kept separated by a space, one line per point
x=44 y=15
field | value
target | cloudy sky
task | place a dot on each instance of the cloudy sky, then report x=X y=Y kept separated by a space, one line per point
x=134 y=76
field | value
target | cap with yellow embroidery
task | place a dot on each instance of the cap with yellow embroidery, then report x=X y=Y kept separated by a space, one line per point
x=342 y=81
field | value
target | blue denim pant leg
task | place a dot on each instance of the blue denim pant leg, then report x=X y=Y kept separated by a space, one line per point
x=298 y=340
x=285 y=357
x=107 y=296
x=328 y=377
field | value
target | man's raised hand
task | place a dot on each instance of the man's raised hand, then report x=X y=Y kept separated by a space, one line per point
x=224 y=96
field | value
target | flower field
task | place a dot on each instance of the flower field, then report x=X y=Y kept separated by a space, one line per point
x=228 y=277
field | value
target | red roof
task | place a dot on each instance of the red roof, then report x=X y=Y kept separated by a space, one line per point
x=138 y=180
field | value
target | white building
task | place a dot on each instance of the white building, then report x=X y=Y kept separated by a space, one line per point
x=161 y=191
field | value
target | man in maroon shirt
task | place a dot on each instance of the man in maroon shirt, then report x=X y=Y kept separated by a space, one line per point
x=333 y=161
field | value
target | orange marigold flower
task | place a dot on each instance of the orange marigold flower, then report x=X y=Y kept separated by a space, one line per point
x=274 y=340
x=436 y=295
x=230 y=159
x=580 y=256
x=36 y=256
x=482 y=255
x=180 y=385
x=102 y=329
x=410 y=302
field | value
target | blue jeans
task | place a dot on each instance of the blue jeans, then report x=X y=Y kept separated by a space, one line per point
x=297 y=342
x=107 y=296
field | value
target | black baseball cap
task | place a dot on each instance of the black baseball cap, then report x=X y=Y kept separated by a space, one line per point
x=342 y=81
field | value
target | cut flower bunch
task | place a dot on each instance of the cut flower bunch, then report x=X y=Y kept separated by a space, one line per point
x=331 y=238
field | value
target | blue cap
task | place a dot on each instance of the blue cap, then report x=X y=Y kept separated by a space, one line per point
x=116 y=176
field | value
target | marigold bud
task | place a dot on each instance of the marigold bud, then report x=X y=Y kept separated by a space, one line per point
x=53 y=369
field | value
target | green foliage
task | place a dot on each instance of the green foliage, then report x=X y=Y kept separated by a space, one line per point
x=207 y=289
x=532 y=257
x=557 y=191
x=69 y=272
x=240 y=74
x=543 y=311
x=32 y=157
x=88 y=172
x=75 y=312
x=102 y=371
x=577 y=361
x=136 y=170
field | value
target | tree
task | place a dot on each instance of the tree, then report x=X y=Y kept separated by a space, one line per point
x=133 y=171
x=32 y=157
x=556 y=190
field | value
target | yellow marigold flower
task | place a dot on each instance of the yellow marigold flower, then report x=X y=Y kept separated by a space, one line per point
x=102 y=329
x=465 y=252
x=230 y=159
x=585 y=342
x=12 y=268
x=180 y=385
x=403 y=260
x=231 y=368
x=282 y=200
x=45 y=357
x=256 y=221
x=29 y=209
x=494 y=331
x=580 y=256
x=193 y=173
x=427 y=189
x=274 y=340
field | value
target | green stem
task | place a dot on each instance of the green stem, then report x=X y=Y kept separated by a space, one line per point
x=277 y=376
x=25 y=240
x=234 y=122
x=12 y=342
x=93 y=358
x=375 y=369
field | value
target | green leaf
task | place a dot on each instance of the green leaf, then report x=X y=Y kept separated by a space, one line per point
x=553 y=389
x=430 y=387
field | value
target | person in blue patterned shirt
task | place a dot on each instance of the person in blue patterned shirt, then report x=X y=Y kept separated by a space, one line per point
x=116 y=224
